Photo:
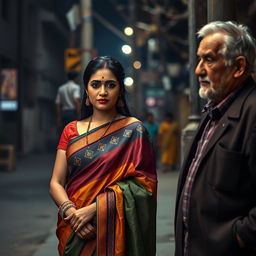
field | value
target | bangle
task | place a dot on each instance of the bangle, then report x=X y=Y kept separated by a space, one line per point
x=65 y=208
x=63 y=203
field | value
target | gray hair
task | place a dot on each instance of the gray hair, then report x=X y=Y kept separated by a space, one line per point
x=238 y=41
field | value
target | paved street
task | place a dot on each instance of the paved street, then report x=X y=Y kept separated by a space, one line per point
x=28 y=215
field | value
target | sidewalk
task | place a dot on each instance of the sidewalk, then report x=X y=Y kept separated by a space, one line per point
x=165 y=219
x=28 y=218
x=49 y=248
x=28 y=213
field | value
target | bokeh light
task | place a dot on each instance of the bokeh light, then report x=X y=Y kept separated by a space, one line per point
x=128 y=31
x=128 y=81
x=137 y=64
x=126 y=49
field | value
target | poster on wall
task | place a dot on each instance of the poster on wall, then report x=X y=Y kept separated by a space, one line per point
x=8 y=90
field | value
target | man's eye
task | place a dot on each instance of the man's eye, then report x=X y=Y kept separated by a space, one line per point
x=209 y=59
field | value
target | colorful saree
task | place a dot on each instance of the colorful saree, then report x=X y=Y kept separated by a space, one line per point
x=118 y=173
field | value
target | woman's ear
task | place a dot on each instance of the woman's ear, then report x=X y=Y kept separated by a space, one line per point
x=240 y=66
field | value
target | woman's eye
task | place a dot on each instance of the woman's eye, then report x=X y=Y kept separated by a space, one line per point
x=95 y=85
x=111 y=85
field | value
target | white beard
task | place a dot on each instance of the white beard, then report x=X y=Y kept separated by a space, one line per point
x=208 y=92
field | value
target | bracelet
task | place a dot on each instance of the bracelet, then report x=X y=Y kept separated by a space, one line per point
x=65 y=208
x=63 y=203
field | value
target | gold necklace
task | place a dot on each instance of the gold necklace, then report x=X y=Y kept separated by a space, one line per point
x=89 y=125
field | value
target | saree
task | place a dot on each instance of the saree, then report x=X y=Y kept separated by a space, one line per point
x=117 y=172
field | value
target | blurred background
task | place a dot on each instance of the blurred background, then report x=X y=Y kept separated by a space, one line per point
x=43 y=39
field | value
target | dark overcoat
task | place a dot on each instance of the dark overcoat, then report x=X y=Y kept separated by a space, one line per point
x=223 y=200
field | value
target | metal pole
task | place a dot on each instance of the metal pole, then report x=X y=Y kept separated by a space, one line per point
x=20 y=140
x=86 y=31
x=189 y=130
x=136 y=90
x=193 y=83
x=221 y=10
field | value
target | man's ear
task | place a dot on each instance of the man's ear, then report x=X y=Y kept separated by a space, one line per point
x=240 y=66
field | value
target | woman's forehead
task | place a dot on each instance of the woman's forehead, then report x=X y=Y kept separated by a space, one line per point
x=103 y=74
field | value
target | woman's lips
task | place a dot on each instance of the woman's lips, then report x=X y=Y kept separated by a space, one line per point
x=103 y=101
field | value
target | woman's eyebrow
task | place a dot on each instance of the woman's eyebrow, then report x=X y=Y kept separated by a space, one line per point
x=103 y=81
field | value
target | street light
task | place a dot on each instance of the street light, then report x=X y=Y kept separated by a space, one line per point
x=128 y=81
x=137 y=64
x=128 y=31
x=126 y=49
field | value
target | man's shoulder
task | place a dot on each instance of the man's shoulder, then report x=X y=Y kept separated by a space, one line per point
x=248 y=90
x=74 y=85
x=63 y=86
x=69 y=85
x=245 y=101
x=251 y=89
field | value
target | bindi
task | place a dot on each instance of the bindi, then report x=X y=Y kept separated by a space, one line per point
x=102 y=77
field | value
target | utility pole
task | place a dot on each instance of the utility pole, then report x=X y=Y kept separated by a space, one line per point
x=137 y=94
x=221 y=10
x=196 y=8
x=86 y=31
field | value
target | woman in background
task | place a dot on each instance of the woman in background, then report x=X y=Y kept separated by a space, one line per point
x=168 y=143
x=104 y=178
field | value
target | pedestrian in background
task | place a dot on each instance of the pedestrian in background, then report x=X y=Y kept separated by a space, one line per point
x=168 y=143
x=216 y=203
x=104 y=177
x=68 y=101
x=152 y=128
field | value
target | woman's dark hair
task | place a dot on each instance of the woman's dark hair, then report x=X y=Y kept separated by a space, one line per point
x=116 y=68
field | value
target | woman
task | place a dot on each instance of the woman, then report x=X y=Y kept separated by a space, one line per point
x=104 y=179
x=168 y=143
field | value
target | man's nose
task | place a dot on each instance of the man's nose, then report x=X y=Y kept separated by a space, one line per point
x=200 y=70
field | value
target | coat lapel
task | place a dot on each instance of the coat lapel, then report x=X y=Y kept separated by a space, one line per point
x=222 y=127
x=233 y=113
x=190 y=154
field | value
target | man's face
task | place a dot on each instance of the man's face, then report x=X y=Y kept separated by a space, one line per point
x=150 y=118
x=215 y=78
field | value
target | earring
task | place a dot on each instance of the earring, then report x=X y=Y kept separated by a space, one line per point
x=87 y=102
x=120 y=103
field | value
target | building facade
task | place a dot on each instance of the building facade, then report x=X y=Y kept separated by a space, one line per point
x=34 y=36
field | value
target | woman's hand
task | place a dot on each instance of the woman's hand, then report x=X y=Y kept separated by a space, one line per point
x=87 y=232
x=80 y=217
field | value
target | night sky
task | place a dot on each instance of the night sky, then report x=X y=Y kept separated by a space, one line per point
x=105 y=42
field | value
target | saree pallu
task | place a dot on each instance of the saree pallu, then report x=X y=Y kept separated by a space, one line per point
x=117 y=172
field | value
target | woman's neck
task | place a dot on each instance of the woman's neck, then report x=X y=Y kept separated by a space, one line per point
x=103 y=117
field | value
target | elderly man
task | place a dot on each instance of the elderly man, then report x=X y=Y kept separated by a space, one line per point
x=216 y=196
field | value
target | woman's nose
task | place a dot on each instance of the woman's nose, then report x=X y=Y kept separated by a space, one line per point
x=103 y=90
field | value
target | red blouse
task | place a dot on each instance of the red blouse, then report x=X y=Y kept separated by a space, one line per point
x=68 y=133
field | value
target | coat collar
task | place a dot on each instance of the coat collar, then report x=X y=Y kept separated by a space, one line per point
x=234 y=111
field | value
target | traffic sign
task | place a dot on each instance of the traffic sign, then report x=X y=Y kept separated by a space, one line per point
x=73 y=60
